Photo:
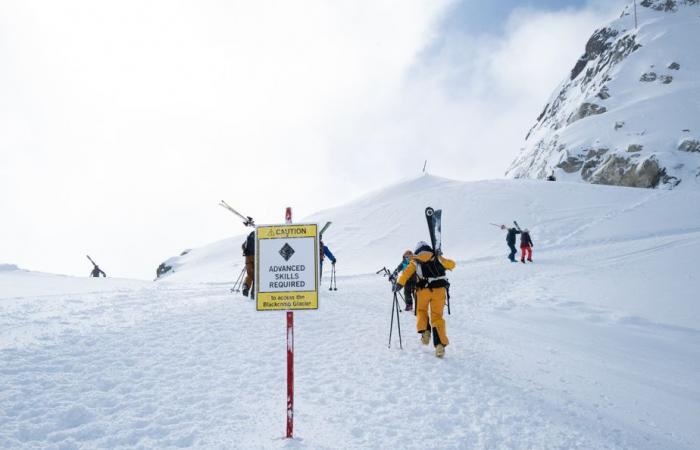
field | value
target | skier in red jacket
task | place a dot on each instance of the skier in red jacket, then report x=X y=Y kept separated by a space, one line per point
x=525 y=246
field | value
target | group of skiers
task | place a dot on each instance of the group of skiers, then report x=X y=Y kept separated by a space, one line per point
x=421 y=275
x=526 y=244
x=423 y=280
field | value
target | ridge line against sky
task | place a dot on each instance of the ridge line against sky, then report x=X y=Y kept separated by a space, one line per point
x=122 y=125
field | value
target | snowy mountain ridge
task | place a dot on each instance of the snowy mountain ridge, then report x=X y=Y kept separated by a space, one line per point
x=375 y=229
x=629 y=112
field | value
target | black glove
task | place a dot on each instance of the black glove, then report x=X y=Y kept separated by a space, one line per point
x=397 y=287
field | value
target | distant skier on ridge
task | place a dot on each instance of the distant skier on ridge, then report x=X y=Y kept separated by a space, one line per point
x=96 y=271
x=431 y=292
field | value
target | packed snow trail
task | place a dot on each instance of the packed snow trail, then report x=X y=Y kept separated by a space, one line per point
x=193 y=366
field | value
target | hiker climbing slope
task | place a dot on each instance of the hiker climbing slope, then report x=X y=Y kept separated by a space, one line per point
x=431 y=293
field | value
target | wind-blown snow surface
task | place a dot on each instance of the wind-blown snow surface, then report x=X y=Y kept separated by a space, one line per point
x=594 y=345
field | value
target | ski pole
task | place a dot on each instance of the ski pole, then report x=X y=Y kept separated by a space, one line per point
x=398 y=321
x=335 y=279
x=239 y=281
x=447 y=289
x=395 y=307
x=391 y=325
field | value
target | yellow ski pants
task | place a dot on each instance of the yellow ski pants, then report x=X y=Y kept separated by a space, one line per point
x=435 y=299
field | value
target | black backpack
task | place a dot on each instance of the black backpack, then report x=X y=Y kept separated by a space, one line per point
x=431 y=274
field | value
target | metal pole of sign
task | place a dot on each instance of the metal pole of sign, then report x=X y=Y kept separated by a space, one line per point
x=290 y=355
x=290 y=374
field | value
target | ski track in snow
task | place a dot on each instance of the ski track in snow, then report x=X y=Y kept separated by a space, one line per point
x=193 y=366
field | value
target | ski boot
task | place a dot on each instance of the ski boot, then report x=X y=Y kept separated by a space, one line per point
x=245 y=290
x=425 y=337
x=439 y=350
x=409 y=307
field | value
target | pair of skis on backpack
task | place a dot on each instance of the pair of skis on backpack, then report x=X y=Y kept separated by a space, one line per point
x=249 y=222
x=434 y=219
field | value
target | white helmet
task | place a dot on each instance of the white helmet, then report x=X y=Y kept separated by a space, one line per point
x=422 y=245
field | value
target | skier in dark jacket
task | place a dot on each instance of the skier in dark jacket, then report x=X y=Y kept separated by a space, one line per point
x=96 y=271
x=410 y=286
x=249 y=255
x=325 y=251
x=525 y=246
x=510 y=239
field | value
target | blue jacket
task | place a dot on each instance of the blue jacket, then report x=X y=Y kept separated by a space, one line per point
x=326 y=252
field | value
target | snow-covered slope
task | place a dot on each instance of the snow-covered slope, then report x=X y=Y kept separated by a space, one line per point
x=629 y=112
x=595 y=345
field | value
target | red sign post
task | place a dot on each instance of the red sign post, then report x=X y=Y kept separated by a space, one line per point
x=290 y=373
x=286 y=272
x=290 y=355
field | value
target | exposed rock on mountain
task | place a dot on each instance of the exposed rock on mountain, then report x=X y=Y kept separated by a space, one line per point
x=629 y=112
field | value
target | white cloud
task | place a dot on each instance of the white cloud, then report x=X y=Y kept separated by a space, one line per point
x=122 y=124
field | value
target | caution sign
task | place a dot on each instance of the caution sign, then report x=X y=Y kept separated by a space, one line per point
x=286 y=267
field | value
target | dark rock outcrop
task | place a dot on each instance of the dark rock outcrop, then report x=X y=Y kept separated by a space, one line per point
x=163 y=269
x=690 y=145
x=585 y=110
x=622 y=171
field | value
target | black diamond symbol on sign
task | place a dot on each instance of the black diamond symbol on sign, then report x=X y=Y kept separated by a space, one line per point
x=286 y=251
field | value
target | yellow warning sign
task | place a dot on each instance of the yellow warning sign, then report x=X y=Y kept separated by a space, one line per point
x=286 y=267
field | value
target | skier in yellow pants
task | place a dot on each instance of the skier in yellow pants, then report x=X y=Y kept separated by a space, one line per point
x=431 y=292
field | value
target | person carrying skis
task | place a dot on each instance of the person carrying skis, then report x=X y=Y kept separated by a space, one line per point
x=411 y=283
x=510 y=239
x=96 y=271
x=525 y=246
x=325 y=251
x=249 y=255
x=431 y=292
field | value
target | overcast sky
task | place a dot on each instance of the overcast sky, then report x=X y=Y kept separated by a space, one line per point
x=122 y=124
